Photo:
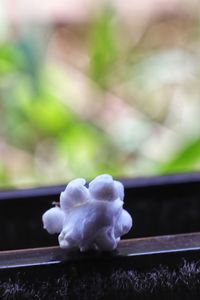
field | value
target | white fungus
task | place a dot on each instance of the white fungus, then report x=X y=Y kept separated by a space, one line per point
x=53 y=220
x=89 y=218
x=75 y=194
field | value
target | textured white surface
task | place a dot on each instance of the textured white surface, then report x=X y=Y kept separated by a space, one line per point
x=90 y=218
x=53 y=220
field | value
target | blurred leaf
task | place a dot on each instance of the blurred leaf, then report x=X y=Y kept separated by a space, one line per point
x=10 y=59
x=47 y=115
x=89 y=151
x=187 y=159
x=81 y=146
x=32 y=63
x=103 y=49
x=4 y=178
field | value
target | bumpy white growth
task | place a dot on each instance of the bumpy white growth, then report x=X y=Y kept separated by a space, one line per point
x=53 y=220
x=75 y=194
x=90 y=218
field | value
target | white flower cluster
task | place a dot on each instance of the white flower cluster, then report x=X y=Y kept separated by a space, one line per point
x=89 y=218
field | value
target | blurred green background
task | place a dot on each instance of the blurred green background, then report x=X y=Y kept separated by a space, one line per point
x=115 y=90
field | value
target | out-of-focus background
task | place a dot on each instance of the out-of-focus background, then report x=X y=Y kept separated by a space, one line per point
x=89 y=87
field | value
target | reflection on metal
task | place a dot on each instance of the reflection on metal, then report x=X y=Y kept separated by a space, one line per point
x=180 y=243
